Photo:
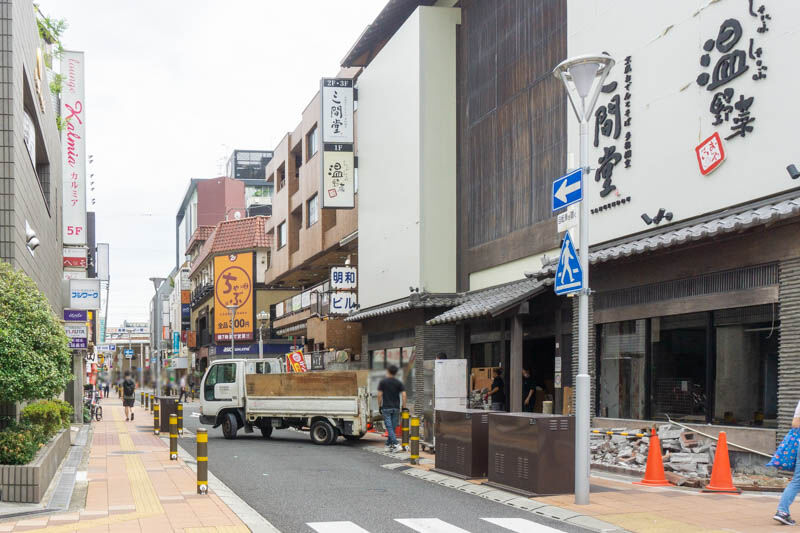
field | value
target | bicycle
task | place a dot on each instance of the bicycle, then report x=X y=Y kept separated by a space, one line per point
x=92 y=402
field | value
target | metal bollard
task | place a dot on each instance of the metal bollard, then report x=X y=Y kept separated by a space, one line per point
x=156 y=421
x=146 y=400
x=180 y=419
x=404 y=422
x=152 y=403
x=414 y=440
x=173 y=437
x=202 y=461
x=141 y=398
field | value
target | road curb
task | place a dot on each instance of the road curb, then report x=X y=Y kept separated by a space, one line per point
x=251 y=518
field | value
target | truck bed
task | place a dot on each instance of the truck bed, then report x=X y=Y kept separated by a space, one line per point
x=302 y=406
x=306 y=384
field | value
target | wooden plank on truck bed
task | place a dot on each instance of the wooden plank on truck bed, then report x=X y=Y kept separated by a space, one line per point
x=339 y=383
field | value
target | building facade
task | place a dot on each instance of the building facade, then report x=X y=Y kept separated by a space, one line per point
x=30 y=175
x=307 y=241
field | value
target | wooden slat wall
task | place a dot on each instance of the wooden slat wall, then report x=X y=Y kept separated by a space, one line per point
x=512 y=117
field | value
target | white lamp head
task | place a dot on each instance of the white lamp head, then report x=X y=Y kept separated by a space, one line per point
x=583 y=77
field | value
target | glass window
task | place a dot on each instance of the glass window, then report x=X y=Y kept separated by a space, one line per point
x=313 y=210
x=378 y=359
x=622 y=369
x=311 y=143
x=211 y=380
x=281 y=234
x=408 y=354
x=393 y=357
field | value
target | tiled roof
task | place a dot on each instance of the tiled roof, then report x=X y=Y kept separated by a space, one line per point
x=491 y=301
x=415 y=301
x=235 y=235
x=202 y=233
x=291 y=329
x=733 y=220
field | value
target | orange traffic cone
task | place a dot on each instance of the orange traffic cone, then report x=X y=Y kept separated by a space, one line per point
x=721 y=478
x=654 y=473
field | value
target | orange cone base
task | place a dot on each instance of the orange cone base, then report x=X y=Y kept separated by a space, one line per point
x=722 y=490
x=656 y=483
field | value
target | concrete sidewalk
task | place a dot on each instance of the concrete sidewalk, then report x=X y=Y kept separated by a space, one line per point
x=134 y=487
x=618 y=503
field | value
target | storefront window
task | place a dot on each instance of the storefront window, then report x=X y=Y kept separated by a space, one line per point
x=393 y=357
x=622 y=369
x=378 y=360
x=718 y=366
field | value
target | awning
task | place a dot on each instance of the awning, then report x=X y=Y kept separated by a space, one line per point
x=291 y=329
x=493 y=301
x=414 y=301
x=729 y=221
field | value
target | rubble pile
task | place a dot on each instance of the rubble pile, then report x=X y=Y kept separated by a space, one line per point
x=685 y=453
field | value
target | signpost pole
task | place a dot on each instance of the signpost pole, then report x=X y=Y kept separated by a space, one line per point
x=232 y=309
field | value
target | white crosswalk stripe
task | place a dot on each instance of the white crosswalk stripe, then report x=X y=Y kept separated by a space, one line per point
x=430 y=525
x=520 y=525
x=336 y=527
x=435 y=525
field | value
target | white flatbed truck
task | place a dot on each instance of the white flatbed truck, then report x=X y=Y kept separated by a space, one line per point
x=245 y=393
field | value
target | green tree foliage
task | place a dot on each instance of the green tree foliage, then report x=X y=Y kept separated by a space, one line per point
x=35 y=360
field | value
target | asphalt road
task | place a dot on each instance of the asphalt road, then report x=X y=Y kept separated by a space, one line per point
x=292 y=482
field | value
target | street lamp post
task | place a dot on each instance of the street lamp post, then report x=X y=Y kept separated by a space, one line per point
x=262 y=319
x=583 y=77
x=232 y=309
x=157 y=334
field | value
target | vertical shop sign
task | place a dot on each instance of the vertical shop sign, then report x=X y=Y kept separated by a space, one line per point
x=73 y=149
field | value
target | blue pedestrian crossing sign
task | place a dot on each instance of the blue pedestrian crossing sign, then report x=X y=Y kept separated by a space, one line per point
x=567 y=190
x=569 y=275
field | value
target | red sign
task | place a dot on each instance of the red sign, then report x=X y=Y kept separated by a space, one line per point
x=75 y=262
x=710 y=154
x=295 y=362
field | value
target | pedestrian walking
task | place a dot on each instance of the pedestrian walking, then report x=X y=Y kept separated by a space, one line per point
x=790 y=492
x=183 y=395
x=498 y=391
x=128 y=395
x=106 y=388
x=391 y=398
x=528 y=390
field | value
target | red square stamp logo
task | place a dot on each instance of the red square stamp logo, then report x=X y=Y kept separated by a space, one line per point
x=710 y=154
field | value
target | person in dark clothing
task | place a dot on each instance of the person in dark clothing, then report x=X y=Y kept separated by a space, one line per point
x=128 y=395
x=497 y=393
x=391 y=398
x=441 y=355
x=528 y=391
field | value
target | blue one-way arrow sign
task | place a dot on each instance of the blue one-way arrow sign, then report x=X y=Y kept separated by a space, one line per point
x=569 y=275
x=567 y=190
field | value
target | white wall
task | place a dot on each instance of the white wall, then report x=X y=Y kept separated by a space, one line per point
x=670 y=111
x=438 y=112
x=388 y=174
x=406 y=156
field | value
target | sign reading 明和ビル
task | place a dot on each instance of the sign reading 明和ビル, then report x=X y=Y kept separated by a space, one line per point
x=345 y=278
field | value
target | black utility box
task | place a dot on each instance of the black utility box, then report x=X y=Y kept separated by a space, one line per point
x=461 y=442
x=167 y=405
x=532 y=453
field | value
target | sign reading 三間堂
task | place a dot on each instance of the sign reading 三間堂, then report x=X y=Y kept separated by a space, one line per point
x=338 y=160
x=73 y=149
x=233 y=286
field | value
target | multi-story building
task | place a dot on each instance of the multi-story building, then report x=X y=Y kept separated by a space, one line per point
x=307 y=240
x=229 y=268
x=30 y=174
x=205 y=203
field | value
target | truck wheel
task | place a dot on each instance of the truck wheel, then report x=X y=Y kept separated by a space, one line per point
x=266 y=428
x=230 y=426
x=322 y=432
x=354 y=437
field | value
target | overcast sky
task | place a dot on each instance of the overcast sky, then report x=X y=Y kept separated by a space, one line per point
x=171 y=88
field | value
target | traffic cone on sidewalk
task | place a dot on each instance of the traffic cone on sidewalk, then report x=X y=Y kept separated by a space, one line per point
x=654 y=472
x=721 y=478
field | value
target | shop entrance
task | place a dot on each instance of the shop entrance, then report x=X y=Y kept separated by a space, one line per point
x=538 y=356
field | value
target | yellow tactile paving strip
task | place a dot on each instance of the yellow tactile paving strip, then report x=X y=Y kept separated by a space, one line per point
x=149 y=515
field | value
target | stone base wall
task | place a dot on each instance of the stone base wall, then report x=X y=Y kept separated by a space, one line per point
x=28 y=483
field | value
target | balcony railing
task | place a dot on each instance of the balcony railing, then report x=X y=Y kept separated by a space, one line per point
x=200 y=294
x=316 y=299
